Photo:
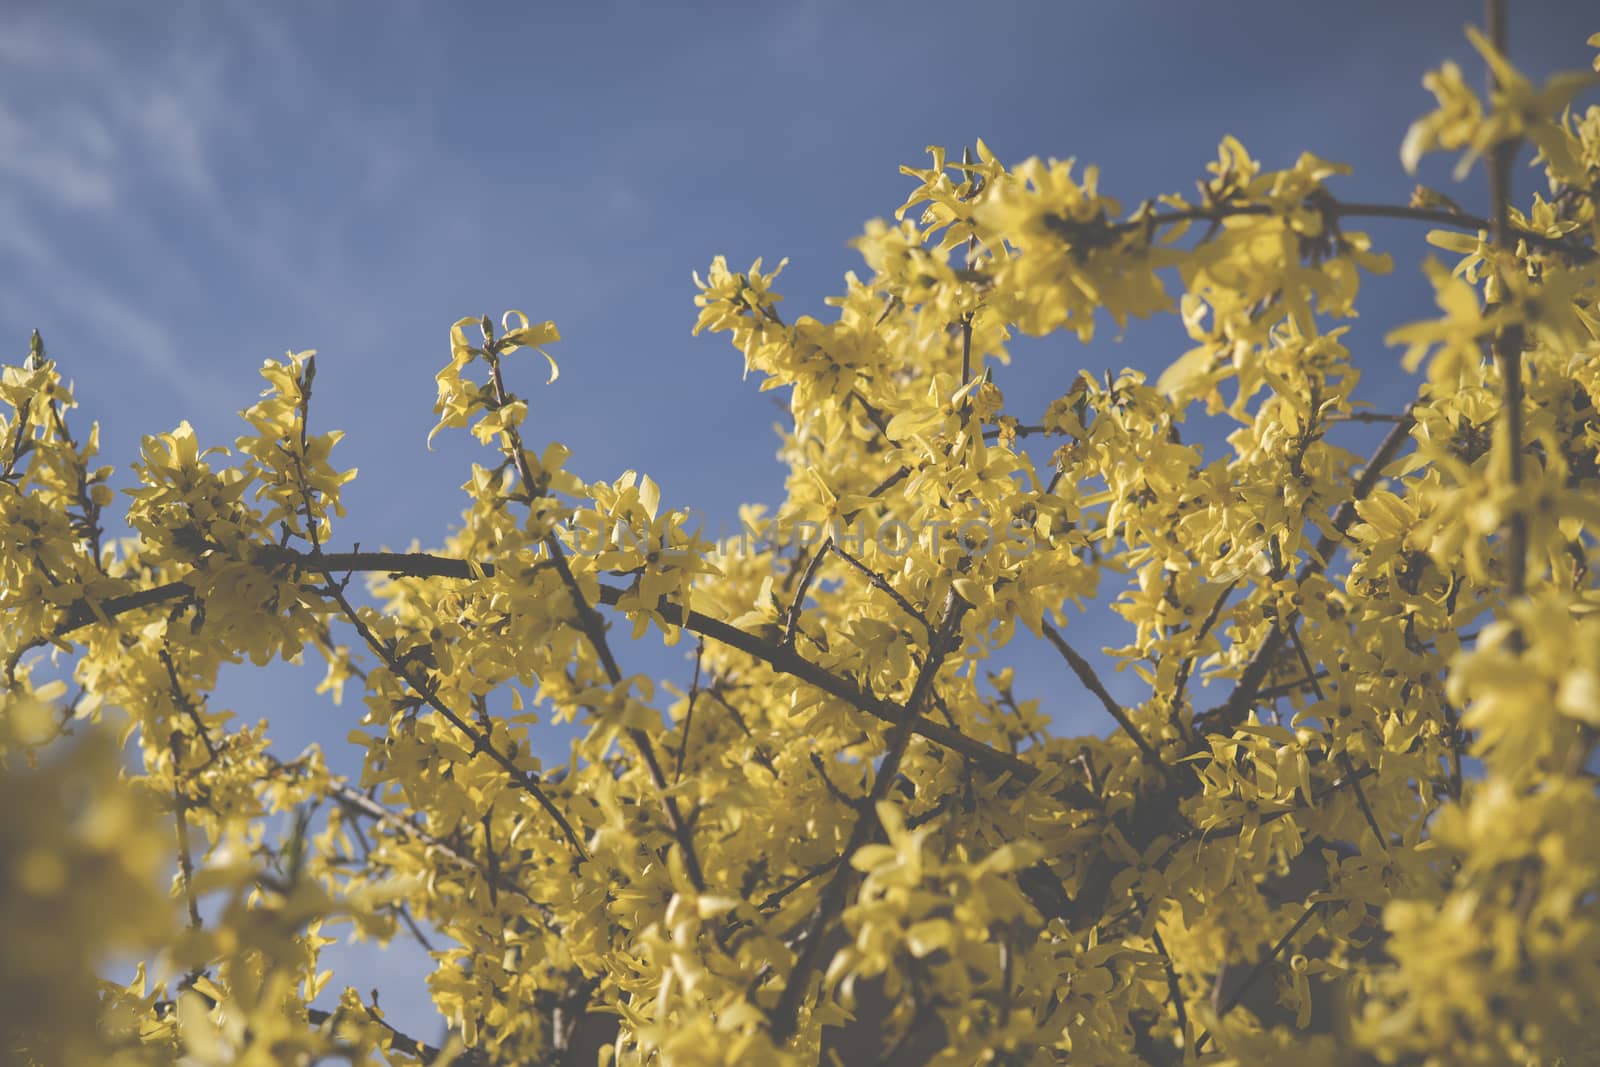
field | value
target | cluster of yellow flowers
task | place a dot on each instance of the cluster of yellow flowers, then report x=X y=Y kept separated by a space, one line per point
x=839 y=843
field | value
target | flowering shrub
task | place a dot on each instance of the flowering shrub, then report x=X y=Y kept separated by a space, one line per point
x=844 y=841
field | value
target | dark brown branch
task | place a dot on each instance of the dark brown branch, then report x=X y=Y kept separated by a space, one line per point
x=482 y=739
x=880 y=583
x=398 y=908
x=1508 y=342
x=528 y=783
x=1259 y=969
x=833 y=790
x=1174 y=991
x=1283 y=689
x=355 y=802
x=879 y=420
x=1091 y=681
x=1187 y=666
x=1345 y=763
x=594 y=630
x=399 y=1042
x=1340 y=209
x=186 y=705
x=759 y=753
x=776 y=897
x=80 y=614
x=1364 y=416
x=1232 y=712
x=878 y=490
x=785 y=1013
x=396 y=564
x=791 y=621
x=1016 y=431
x=422 y=565
x=787 y=661
x=688 y=715
x=966 y=359
x=180 y=813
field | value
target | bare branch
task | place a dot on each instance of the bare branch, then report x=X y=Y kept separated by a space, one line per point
x=1091 y=681
x=1232 y=712
x=785 y=1014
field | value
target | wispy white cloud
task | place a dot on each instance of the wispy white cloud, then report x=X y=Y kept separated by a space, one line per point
x=147 y=156
x=35 y=40
x=57 y=168
x=100 y=317
x=71 y=164
x=120 y=327
x=175 y=137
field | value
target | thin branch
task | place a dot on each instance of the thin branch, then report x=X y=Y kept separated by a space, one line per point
x=1016 y=431
x=1283 y=689
x=1457 y=737
x=181 y=818
x=785 y=661
x=398 y=907
x=1345 y=763
x=82 y=613
x=186 y=705
x=354 y=802
x=760 y=753
x=1187 y=666
x=1364 y=416
x=1259 y=969
x=791 y=621
x=880 y=583
x=1232 y=711
x=528 y=783
x=833 y=790
x=1091 y=681
x=776 y=897
x=481 y=739
x=688 y=715
x=1174 y=991
x=785 y=1014
x=594 y=629
x=966 y=359
x=879 y=420
x=1508 y=342
x=1338 y=209
x=398 y=1041
x=878 y=490
x=1008 y=701
x=34 y=361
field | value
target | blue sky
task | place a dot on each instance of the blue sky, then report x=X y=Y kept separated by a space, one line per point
x=188 y=189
